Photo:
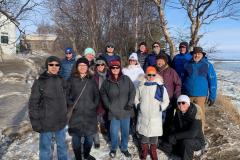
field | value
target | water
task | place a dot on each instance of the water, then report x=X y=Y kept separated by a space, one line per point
x=228 y=66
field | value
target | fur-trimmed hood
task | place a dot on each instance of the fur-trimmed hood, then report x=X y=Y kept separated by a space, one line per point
x=142 y=79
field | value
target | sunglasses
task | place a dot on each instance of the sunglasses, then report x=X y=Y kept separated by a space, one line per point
x=151 y=75
x=100 y=64
x=51 y=65
x=115 y=67
x=155 y=46
x=68 y=53
x=179 y=103
x=110 y=47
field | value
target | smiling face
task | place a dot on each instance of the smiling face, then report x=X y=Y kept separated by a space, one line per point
x=197 y=56
x=132 y=62
x=183 y=49
x=160 y=62
x=156 y=48
x=183 y=107
x=100 y=67
x=89 y=57
x=142 y=48
x=82 y=68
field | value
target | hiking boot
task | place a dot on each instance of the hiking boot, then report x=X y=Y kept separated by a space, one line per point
x=126 y=153
x=97 y=146
x=90 y=158
x=112 y=154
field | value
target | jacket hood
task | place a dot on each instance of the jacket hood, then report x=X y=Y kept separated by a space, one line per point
x=142 y=79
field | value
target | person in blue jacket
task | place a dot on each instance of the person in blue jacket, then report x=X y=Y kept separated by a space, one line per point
x=110 y=54
x=200 y=81
x=67 y=63
x=150 y=60
x=180 y=59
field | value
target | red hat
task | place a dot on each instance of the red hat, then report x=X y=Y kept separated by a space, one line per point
x=115 y=63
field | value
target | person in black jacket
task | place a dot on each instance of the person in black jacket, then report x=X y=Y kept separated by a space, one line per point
x=186 y=136
x=118 y=93
x=83 y=121
x=48 y=110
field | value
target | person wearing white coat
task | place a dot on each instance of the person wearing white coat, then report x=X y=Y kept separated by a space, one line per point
x=133 y=70
x=151 y=99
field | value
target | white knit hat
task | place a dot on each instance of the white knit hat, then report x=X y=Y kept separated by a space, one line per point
x=184 y=98
x=133 y=56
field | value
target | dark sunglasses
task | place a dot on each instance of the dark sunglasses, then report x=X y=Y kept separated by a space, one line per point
x=179 y=103
x=68 y=53
x=56 y=65
x=100 y=64
x=115 y=67
x=155 y=46
x=110 y=47
x=151 y=75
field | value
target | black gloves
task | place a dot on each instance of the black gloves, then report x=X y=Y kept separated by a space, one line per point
x=210 y=102
x=128 y=107
x=172 y=139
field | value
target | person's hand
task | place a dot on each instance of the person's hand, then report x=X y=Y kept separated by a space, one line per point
x=172 y=139
x=128 y=107
x=210 y=102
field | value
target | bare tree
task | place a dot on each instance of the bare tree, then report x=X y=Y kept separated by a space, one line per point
x=204 y=12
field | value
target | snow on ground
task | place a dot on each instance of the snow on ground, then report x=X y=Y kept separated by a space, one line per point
x=17 y=141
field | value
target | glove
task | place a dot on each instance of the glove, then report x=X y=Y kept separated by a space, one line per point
x=210 y=102
x=172 y=139
x=128 y=107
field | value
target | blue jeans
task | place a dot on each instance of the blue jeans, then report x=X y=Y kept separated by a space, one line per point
x=115 y=125
x=45 y=145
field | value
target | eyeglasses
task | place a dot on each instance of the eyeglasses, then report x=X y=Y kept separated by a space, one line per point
x=56 y=65
x=155 y=46
x=179 y=103
x=110 y=47
x=100 y=64
x=82 y=65
x=115 y=67
x=151 y=75
x=68 y=53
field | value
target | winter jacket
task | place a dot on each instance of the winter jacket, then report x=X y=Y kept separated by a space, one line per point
x=47 y=103
x=83 y=121
x=110 y=58
x=200 y=79
x=141 y=57
x=116 y=95
x=66 y=67
x=151 y=60
x=133 y=72
x=171 y=80
x=149 y=121
x=178 y=63
x=188 y=125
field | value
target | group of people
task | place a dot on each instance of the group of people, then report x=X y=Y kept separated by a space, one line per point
x=160 y=100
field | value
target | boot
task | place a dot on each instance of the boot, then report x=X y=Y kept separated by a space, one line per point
x=77 y=154
x=153 y=152
x=144 y=151
x=87 y=155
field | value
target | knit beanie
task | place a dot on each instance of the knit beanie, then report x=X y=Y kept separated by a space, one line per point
x=151 y=70
x=89 y=51
x=184 y=98
x=51 y=59
x=82 y=60
x=133 y=56
x=101 y=60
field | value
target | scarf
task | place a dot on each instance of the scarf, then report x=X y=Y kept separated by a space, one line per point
x=159 y=90
x=102 y=77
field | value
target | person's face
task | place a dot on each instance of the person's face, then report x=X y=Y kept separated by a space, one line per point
x=183 y=49
x=132 y=62
x=197 y=56
x=151 y=76
x=110 y=49
x=100 y=67
x=115 y=70
x=160 y=62
x=53 y=67
x=90 y=57
x=156 y=48
x=82 y=68
x=183 y=106
x=69 y=55
x=142 y=48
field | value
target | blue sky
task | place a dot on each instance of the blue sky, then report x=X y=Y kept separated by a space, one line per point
x=223 y=34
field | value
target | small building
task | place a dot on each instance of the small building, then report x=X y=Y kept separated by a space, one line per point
x=8 y=34
x=40 y=42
